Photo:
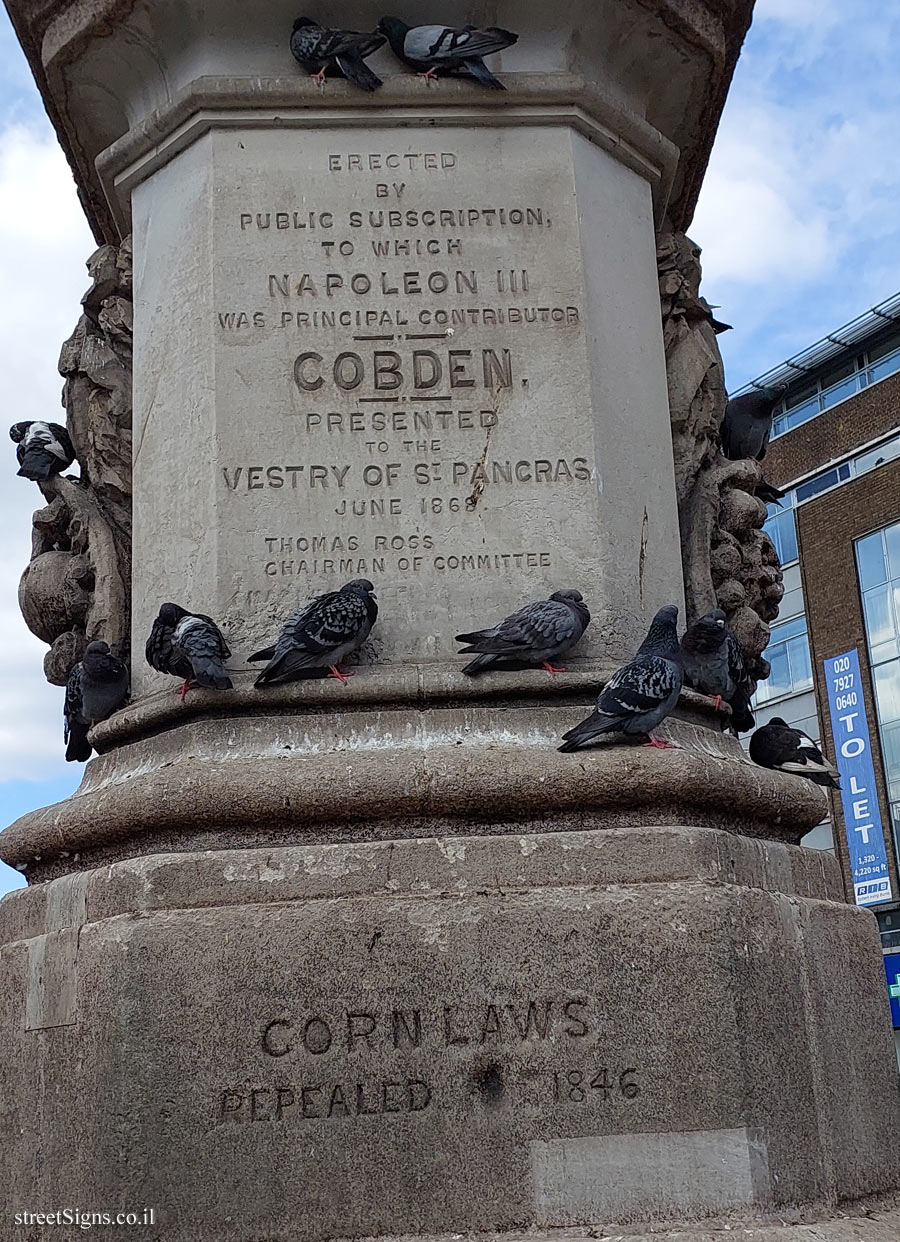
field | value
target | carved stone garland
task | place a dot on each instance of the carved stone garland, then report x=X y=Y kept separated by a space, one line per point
x=76 y=587
x=728 y=560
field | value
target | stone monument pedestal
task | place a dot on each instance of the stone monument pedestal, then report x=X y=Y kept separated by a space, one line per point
x=492 y=1027
x=324 y=962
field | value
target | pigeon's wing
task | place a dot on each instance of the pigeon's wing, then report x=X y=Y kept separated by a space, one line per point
x=104 y=685
x=639 y=687
x=72 y=701
x=75 y=727
x=762 y=440
x=61 y=446
x=201 y=641
x=446 y=44
x=330 y=625
x=317 y=44
x=480 y=72
x=532 y=628
x=306 y=42
x=159 y=647
x=742 y=719
x=334 y=620
x=736 y=668
x=223 y=649
x=808 y=751
x=634 y=700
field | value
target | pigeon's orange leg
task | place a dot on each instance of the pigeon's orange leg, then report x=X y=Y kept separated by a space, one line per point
x=182 y=690
x=336 y=672
x=319 y=78
x=717 y=702
x=430 y=75
x=657 y=744
x=550 y=668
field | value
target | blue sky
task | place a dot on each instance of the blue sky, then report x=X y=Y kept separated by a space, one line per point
x=798 y=221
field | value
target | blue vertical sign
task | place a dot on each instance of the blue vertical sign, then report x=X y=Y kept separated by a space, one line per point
x=892 y=970
x=859 y=794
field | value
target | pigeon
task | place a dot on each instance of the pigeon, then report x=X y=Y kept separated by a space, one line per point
x=441 y=49
x=785 y=748
x=320 y=634
x=536 y=634
x=747 y=424
x=640 y=694
x=44 y=449
x=768 y=493
x=322 y=51
x=96 y=687
x=714 y=665
x=188 y=645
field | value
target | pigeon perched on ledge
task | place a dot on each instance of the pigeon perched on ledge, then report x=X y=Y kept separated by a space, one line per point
x=188 y=645
x=320 y=635
x=536 y=634
x=747 y=424
x=714 y=666
x=639 y=695
x=43 y=449
x=433 y=50
x=784 y=748
x=322 y=51
x=95 y=689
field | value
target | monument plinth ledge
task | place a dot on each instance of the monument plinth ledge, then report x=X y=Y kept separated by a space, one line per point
x=320 y=962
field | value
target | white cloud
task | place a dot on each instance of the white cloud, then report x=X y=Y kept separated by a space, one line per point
x=797 y=218
x=44 y=242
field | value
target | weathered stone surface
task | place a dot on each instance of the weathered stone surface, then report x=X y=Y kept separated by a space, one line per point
x=148 y=58
x=729 y=562
x=377 y=389
x=323 y=773
x=77 y=586
x=333 y=961
x=523 y=1013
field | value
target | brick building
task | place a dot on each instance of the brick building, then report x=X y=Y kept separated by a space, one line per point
x=835 y=448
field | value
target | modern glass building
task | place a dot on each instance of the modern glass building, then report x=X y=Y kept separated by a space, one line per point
x=835 y=449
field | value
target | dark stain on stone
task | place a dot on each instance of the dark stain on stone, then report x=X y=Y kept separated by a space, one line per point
x=489 y=1082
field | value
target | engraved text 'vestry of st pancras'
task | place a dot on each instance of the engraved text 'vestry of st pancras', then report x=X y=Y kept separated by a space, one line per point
x=401 y=329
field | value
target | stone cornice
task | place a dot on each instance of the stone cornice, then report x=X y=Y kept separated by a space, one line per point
x=530 y=99
x=55 y=34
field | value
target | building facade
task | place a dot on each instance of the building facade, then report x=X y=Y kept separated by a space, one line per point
x=835 y=647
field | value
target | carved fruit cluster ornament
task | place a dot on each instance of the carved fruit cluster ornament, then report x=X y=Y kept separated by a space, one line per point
x=728 y=559
x=76 y=587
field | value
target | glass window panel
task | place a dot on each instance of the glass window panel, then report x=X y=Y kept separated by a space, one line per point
x=782 y=530
x=840 y=392
x=819 y=484
x=887 y=691
x=820 y=838
x=892 y=543
x=870 y=558
x=788 y=629
x=801 y=668
x=887 y=366
x=802 y=413
x=839 y=373
x=887 y=346
x=798 y=395
x=884 y=652
x=779 y=680
x=890 y=749
x=787 y=530
x=879 y=616
x=877 y=456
